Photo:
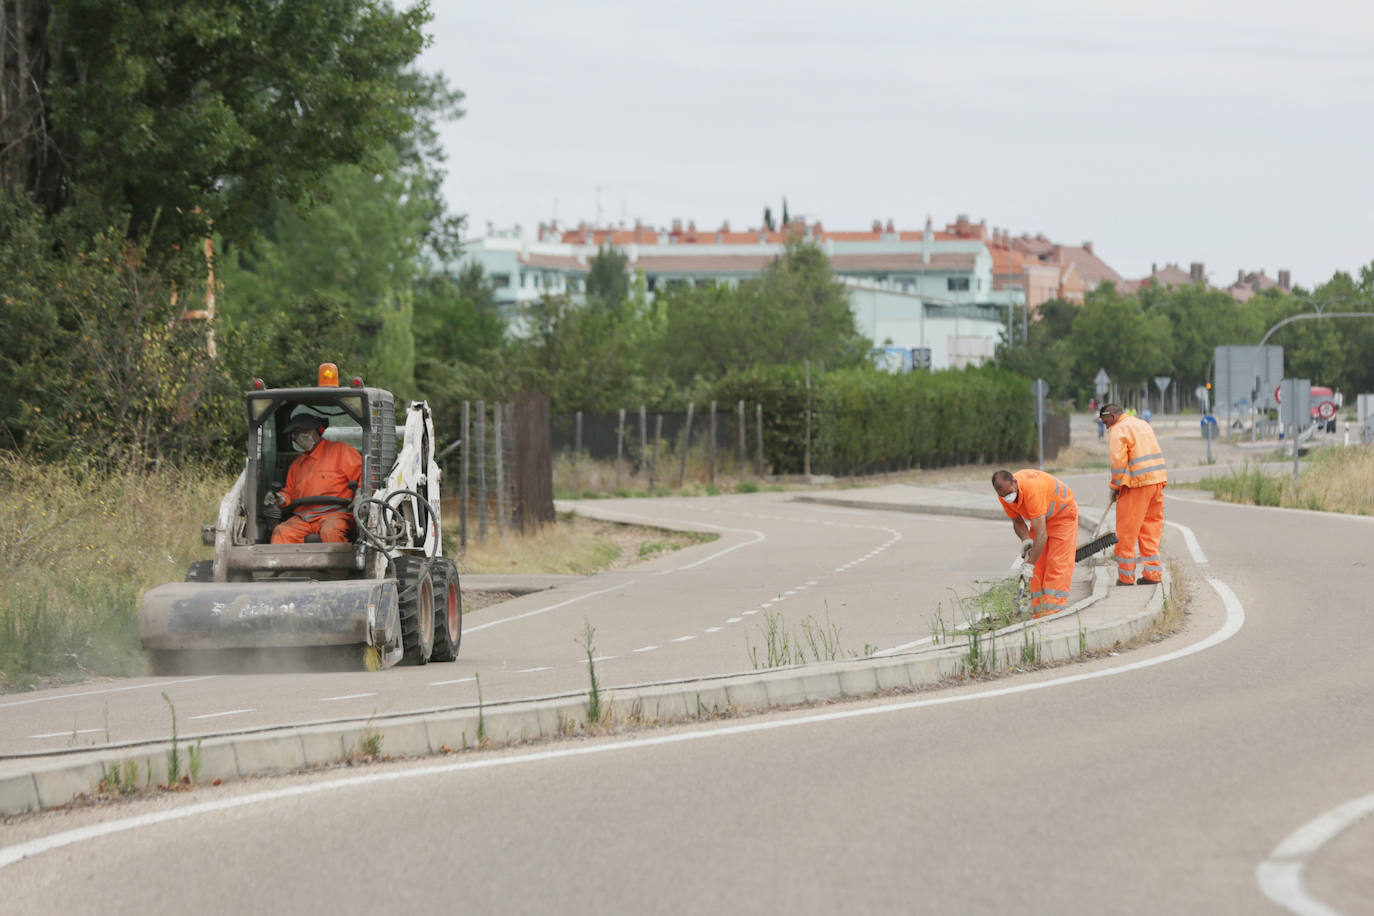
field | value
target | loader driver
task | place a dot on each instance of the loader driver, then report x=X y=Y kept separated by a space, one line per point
x=323 y=468
x=1044 y=515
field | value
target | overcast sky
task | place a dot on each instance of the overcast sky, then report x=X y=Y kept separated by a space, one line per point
x=1234 y=133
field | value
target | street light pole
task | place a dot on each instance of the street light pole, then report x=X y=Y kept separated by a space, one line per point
x=1254 y=363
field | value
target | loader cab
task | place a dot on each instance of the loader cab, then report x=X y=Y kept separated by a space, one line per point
x=361 y=417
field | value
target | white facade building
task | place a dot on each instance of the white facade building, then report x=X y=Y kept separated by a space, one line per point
x=917 y=289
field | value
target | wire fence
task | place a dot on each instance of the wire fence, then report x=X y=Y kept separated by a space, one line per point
x=503 y=468
x=661 y=446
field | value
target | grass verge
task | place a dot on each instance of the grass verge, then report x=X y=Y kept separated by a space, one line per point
x=1332 y=479
x=77 y=548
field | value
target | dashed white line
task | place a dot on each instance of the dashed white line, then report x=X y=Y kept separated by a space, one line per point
x=216 y=715
x=733 y=620
x=457 y=680
x=716 y=629
x=1235 y=619
x=684 y=638
x=533 y=670
x=91 y=693
x=603 y=658
x=646 y=649
x=350 y=696
x=68 y=734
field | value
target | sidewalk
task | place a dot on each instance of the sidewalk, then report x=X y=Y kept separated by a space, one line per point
x=1106 y=617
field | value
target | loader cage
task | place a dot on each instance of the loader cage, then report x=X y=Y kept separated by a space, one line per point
x=364 y=418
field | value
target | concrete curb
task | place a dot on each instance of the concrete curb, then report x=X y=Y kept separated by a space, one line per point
x=52 y=783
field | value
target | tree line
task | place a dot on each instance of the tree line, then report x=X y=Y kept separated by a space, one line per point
x=300 y=141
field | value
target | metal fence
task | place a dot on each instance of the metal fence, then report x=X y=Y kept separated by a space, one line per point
x=657 y=444
x=503 y=468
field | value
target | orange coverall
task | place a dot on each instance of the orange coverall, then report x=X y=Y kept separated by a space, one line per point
x=1138 y=478
x=1037 y=494
x=326 y=470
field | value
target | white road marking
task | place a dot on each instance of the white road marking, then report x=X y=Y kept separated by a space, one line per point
x=92 y=693
x=751 y=613
x=733 y=620
x=718 y=629
x=1194 y=548
x=458 y=680
x=684 y=638
x=551 y=607
x=645 y=649
x=1280 y=878
x=67 y=734
x=1235 y=619
x=351 y=696
x=533 y=670
x=216 y=715
x=603 y=658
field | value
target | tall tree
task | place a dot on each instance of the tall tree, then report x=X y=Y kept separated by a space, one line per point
x=178 y=112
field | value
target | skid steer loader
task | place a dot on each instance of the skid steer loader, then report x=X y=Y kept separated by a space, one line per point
x=387 y=596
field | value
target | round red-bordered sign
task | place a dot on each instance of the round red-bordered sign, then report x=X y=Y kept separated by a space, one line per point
x=1326 y=410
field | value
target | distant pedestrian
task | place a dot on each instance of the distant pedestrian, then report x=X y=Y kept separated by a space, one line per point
x=1044 y=515
x=1138 y=476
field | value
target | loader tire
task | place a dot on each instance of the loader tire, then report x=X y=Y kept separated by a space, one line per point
x=448 y=611
x=201 y=571
x=415 y=591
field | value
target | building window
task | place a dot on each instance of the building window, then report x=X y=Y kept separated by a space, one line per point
x=500 y=281
x=957 y=284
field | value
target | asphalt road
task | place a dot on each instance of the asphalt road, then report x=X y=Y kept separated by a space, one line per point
x=865 y=578
x=1224 y=770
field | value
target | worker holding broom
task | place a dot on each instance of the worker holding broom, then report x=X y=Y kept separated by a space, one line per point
x=1138 y=475
x=1044 y=515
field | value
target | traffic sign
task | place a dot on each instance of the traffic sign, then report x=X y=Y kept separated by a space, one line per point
x=1326 y=410
x=1103 y=382
x=1278 y=395
x=1209 y=427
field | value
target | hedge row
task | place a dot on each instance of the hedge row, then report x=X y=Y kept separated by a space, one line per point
x=863 y=420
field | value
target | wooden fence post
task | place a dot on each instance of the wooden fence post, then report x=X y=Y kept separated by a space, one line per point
x=758 y=422
x=464 y=486
x=743 y=444
x=711 y=447
x=643 y=436
x=653 y=462
x=686 y=443
x=619 y=446
x=497 y=410
x=806 y=461
x=481 y=472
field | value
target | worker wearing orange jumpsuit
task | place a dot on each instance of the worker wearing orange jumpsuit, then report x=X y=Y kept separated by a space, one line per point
x=1044 y=515
x=1138 y=476
x=323 y=468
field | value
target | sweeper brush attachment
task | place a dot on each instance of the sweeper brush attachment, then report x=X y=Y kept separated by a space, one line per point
x=1096 y=545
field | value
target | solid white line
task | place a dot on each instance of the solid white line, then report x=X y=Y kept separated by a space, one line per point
x=551 y=607
x=93 y=693
x=1194 y=548
x=1280 y=878
x=216 y=715
x=533 y=670
x=84 y=731
x=460 y=680
x=1235 y=619
x=351 y=696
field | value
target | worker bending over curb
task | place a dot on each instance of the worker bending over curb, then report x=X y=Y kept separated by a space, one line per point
x=1137 y=482
x=1044 y=515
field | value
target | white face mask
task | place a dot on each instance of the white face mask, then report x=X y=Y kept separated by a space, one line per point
x=1010 y=497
